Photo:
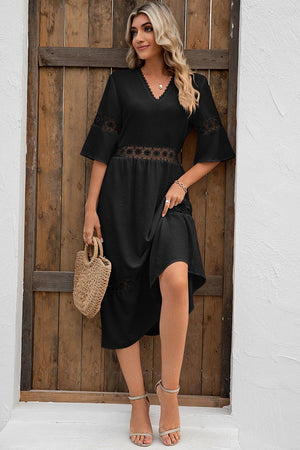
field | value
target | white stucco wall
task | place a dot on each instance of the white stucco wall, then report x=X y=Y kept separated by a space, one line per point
x=266 y=322
x=13 y=100
x=265 y=383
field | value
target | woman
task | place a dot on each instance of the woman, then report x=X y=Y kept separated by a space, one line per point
x=144 y=215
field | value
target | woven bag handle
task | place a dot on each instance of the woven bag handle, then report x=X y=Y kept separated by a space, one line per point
x=100 y=246
x=97 y=246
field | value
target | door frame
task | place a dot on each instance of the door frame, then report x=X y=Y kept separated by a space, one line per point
x=62 y=281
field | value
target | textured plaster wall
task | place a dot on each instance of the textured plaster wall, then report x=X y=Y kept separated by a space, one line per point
x=266 y=322
x=13 y=84
x=265 y=383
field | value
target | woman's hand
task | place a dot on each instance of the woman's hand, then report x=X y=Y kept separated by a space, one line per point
x=175 y=194
x=91 y=222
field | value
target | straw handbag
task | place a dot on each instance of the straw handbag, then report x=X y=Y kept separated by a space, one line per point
x=91 y=277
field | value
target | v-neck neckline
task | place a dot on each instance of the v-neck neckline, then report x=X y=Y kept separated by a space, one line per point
x=149 y=89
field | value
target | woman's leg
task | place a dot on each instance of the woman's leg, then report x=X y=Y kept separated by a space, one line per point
x=173 y=328
x=130 y=363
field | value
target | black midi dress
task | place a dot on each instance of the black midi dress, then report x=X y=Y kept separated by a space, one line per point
x=139 y=137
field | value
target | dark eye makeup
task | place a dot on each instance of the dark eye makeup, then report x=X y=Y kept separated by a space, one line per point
x=148 y=28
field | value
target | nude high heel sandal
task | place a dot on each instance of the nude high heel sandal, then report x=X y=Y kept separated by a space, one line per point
x=162 y=433
x=140 y=434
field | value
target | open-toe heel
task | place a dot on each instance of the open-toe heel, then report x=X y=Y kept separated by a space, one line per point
x=140 y=434
x=162 y=433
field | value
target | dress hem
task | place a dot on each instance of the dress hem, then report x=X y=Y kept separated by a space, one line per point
x=138 y=338
x=189 y=271
x=142 y=334
x=94 y=158
x=214 y=160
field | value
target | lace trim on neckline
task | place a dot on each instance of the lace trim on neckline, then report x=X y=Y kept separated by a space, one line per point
x=149 y=88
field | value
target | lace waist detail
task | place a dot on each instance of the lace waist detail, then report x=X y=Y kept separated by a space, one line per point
x=151 y=153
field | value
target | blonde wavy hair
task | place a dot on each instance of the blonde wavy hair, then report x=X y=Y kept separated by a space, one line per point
x=166 y=35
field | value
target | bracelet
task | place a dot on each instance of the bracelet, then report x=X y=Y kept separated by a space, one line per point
x=182 y=185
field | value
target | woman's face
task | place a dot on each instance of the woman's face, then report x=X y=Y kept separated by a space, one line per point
x=143 y=40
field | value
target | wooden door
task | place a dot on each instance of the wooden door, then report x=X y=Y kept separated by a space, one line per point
x=73 y=46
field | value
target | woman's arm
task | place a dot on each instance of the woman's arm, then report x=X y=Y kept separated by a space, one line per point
x=176 y=194
x=196 y=172
x=91 y=217
x=97 y=175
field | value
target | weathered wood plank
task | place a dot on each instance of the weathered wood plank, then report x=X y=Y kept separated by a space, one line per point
x=75 y=100
x=100 y=23
x=178 y=9
x=45 y=345
x=115 y=57
x=31 y=188
x=115 y=397
x=229 y=201
x=121 y=12
x=62 y=281
x=214 y=242
x=197 y=39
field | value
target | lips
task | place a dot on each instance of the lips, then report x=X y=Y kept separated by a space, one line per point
x=143 y=47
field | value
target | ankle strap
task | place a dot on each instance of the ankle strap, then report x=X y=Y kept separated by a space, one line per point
x=138 y=397
x=165 y=389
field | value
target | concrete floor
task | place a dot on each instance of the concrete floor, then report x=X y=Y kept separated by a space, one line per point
x=91 y=426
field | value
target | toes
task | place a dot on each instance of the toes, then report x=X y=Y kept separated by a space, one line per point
x=173 y=438
x=175 y=435
x=166 y=439
x=143 y=439
x=147 y=440
x=135 y=439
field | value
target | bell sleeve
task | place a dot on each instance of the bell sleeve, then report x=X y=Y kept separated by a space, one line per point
x=103 y=135
x=212 y=140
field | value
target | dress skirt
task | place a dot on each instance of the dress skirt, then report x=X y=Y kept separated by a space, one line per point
x=141 y=243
